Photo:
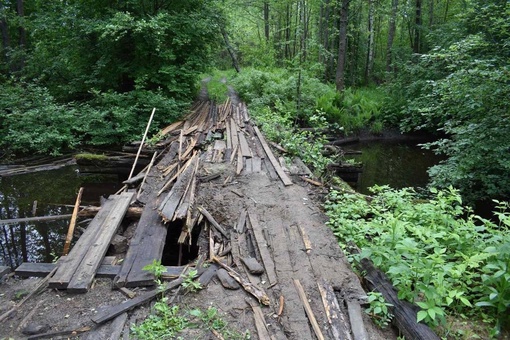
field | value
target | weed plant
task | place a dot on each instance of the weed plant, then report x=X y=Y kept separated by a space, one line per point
x=438 y=254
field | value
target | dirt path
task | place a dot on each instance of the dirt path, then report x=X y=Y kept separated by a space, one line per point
x=286 y=233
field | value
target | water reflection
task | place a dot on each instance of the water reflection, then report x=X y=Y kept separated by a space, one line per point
x=51 y=190
x=394 y=163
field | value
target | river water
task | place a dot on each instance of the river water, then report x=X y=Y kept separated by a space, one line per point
x=397 y=164
x=51 y=191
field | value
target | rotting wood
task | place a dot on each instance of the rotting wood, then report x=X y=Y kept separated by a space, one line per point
x=34 y=291
x=27 y=269
x=283 y=176
x=253 y=266
x=240 y=165
x=68 y=265
x=263 y=248
x=72 y=223
x=187 y=198
x=85 y=272
x=127 y=292
x=244 y=147
x=213 y=222
x=91 y=211
x=247 y=286
x=281 y=306
x=241 y=222
x=134 y=180
x=170 y=203
x=260 y=321
x=336 y=317
x=356 y=320
x=125 y=306
x=170 y=128
x=208 y=275
x=308 y=309
x=117 y=326
x=226 y=280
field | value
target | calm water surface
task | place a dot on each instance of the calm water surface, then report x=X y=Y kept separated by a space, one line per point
x=393 y=163
x=43 y=241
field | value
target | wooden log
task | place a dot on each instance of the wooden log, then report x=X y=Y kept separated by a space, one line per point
x=405 y=314
x=133 y=181
x=311 y=181
x=308 y=309
x=213 y=222
x=283 y=176
x=72 y=224
x=263 y=249
x=336 y=317
x=85 y=272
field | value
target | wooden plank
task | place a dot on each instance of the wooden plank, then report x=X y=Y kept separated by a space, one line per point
x=28 y=269
x=260 y=321
x=336 y=317
x=4 y=271
x=256 y=164
x=263 y=248
x=356 y=319
x=241 y=222
x=243 y=143
x=283 y=176
x=173 y=198
x=240 y=164
x=233 y=134
x=146 y=245
x=82 y=279
x=117 y=310
x=211 y=219
x=68 y=266
x=308 y=309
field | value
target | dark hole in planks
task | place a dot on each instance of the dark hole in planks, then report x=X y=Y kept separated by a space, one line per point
x=175 y=254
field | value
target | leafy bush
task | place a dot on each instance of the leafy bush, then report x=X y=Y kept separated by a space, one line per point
x=436 y=252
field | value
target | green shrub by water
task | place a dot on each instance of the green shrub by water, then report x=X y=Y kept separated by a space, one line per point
x=436 y=252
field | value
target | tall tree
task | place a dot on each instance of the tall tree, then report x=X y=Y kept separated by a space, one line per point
x=342 y=45
x=370 y=48
x=391 y=34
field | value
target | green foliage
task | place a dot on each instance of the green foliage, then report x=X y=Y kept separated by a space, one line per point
x=436 y=252
x=378 y=309
x=353 y=109
x=217 y=84
x=189 y=282
x=165 y=323
x=462 y=89
x=156 y=269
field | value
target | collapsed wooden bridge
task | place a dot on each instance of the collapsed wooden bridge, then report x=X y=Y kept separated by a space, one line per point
x=217 y=186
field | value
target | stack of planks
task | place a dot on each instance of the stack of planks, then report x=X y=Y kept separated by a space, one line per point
x=77 y=271
x=226 y=135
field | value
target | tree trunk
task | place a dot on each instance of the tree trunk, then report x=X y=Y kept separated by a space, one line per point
x=431 y=13
x=342 y=46
x=417 y=28
x=230 y=50
x=370 y=50
x=4 y=28
x=391 y=34
x=266 y=21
